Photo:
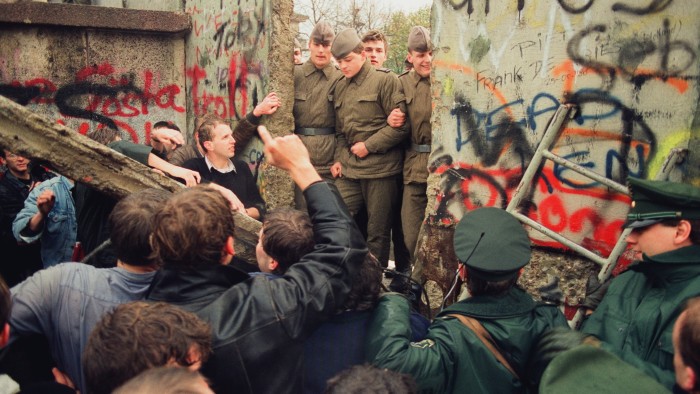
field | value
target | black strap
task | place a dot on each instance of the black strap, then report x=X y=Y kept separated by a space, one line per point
x=420 y=148
x=314 y=130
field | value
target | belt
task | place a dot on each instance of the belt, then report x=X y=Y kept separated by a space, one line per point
x=420 y=148
x=314 y=130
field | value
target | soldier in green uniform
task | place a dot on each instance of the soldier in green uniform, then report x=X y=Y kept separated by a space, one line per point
x=416 y=88
x=635 y=318
x=314 y=117
x=480 y=344
x=368 y=158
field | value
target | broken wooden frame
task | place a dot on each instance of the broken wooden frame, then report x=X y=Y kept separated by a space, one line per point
x=79 y=158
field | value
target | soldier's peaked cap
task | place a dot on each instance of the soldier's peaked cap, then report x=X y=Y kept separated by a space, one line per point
x=491 y=243
x=654 y=201
x=322 y=33
x=344 y=43
x=419 y=39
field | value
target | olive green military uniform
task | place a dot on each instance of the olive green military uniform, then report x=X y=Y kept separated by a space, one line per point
x=452 y=359
x=362 y=105
x=415 y=166
x=635 y=318
x=314 y=117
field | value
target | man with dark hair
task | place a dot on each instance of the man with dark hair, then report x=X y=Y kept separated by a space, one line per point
x=19 y=260
x=64 y=302
x=686 y=347
x=140 y=335
x=259 y=323
x=636 y=316
x=314 y=117
x=285 y=237
x=165 y=138
x=375 y=47
x=245 y=129
x=166 y=380
x=218 y=166
x=369 y=379
x=480 y=344
x=368 y=156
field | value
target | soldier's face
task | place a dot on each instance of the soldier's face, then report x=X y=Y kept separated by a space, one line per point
x=375 y=52
x=320 y=54
x=421 y=62
x=652 y=240
x=351 y=64
x=297 y=56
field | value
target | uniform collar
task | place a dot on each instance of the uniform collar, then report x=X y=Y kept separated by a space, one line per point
x=685 y=255
x=308 y=68
x=415 y=77
x=362 y=74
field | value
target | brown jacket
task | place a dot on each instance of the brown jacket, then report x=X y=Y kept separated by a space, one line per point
x=362 y=105
x=418 y=102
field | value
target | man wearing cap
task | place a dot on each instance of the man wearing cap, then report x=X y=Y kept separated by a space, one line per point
x=480 y=344
x=314 y=117
x=416 y=88
x=635 y=318
x=368 y=158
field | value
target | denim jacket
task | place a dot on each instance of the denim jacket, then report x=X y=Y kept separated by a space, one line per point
x=60 y=226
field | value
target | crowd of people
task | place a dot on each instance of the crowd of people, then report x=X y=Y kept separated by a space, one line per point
x=161 y=303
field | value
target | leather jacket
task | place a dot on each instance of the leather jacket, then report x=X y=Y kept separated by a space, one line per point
x=259 y=324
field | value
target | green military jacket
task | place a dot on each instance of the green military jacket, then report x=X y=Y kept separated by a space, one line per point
x=452 y=359
x=313 y=108
x=419 y=106
x=636 y=317
x=362 y=105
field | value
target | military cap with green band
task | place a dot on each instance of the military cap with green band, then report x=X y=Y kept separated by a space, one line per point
x=345 y=42
x=322 y=34
x=419 y=40
x=492 y=244
x=654 y=201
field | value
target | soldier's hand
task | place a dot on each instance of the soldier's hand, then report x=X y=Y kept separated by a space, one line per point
x=359 y=150
x=396 y=118
x=595 y=291
x=337 y=170
x=550 y=292
x=268 y=106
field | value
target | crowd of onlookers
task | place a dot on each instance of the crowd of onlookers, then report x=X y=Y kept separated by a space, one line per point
x=146 y=294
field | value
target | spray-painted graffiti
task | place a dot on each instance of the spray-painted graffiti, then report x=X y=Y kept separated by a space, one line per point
x=632 y=74
x=102 y=94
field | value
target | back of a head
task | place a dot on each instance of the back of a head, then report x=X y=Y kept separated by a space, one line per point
x=689 y=339
x=140 y=335
x=192 y=228
x=366 y=285
x=131 y=225
x=165 y=124
x=104 y=135
x=288 y=235
x=166 y=380
x=370 y=379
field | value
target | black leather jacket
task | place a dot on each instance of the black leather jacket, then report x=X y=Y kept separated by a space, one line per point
x=259 y=325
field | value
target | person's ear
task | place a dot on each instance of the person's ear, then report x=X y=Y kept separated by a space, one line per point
x=229 y=246
x=207 y=145
x=682 y=232
x=273 y=265
x=687 y=382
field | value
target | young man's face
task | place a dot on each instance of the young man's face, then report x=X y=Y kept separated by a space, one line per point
x=297 y=56
x=351 y=64
x=18 y=165
x=320 y=54
x=222 y=144
x=375 y=51
x=651 y=240
x=421 y=62
x=678 y=364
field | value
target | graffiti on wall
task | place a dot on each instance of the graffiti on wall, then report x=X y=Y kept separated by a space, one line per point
x=99 y=95
x=630 y=67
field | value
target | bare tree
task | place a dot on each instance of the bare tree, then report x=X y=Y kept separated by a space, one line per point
x=361 y=15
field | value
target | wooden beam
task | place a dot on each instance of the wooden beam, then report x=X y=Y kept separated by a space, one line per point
x=82 y=159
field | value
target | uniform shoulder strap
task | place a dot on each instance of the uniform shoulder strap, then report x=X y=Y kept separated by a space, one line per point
x=487 y=340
